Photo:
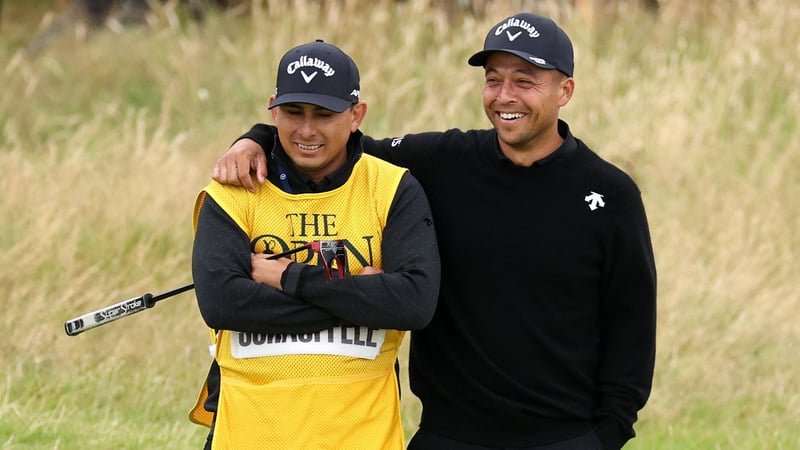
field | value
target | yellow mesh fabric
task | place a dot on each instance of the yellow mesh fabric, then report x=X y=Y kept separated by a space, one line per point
x=312 y=401
x=354 y=411
x=198 y=413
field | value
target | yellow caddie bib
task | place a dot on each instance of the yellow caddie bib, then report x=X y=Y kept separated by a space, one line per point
x=333 y=389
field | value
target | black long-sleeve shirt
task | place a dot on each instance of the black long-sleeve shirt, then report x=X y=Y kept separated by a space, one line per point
x=545 y=326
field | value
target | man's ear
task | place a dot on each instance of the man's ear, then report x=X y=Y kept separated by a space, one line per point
x=272 y=111
x=359 y=112
x=567 y=86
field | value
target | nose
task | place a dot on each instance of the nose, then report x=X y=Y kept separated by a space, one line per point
x=505 y=93
x=307 y=126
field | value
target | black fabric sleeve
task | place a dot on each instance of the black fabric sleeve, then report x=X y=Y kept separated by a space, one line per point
x=404 y=296
x=420 y=153
x=262 y=134
x=226 y=293
x=628 y=333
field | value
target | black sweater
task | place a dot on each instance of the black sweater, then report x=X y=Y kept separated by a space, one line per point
x=545 y=325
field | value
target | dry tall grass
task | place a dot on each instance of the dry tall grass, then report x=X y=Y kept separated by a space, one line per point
x=105 y=142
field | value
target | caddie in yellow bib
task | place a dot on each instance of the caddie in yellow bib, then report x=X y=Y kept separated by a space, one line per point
x=303 y=358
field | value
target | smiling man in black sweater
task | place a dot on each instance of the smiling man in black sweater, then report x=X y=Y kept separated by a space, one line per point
x=544 y=334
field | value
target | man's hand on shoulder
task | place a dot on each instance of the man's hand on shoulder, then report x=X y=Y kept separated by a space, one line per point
x=237 y=165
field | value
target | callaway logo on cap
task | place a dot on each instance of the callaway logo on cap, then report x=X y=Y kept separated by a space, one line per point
x=533 y=38
x=317 y=73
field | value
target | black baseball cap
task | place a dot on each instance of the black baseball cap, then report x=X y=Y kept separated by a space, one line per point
x=534 y=38
x=317 y=73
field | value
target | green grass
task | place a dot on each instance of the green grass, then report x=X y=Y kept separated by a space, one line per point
x=105 y=142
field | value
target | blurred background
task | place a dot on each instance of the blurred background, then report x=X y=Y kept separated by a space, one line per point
x=112 y=115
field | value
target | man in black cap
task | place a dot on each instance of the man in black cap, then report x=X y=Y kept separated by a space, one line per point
x=305 y=355
x=549 y=344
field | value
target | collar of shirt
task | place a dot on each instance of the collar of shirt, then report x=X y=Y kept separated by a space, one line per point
x=282 y=173
x=564 y=150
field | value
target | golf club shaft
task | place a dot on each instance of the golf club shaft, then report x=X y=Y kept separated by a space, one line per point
x=125 y=308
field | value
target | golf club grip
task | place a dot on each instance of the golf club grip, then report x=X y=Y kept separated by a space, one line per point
x=124 y=308
x=108 y=314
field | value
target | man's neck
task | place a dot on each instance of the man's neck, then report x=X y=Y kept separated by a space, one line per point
x=534 y=151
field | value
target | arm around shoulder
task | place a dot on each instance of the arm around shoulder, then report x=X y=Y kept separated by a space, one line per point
x=246 y=157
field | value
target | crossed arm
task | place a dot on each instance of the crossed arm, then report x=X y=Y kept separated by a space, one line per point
x=239 y=291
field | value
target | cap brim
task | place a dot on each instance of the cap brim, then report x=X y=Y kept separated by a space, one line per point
x=334 y=104
x=479 y=59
